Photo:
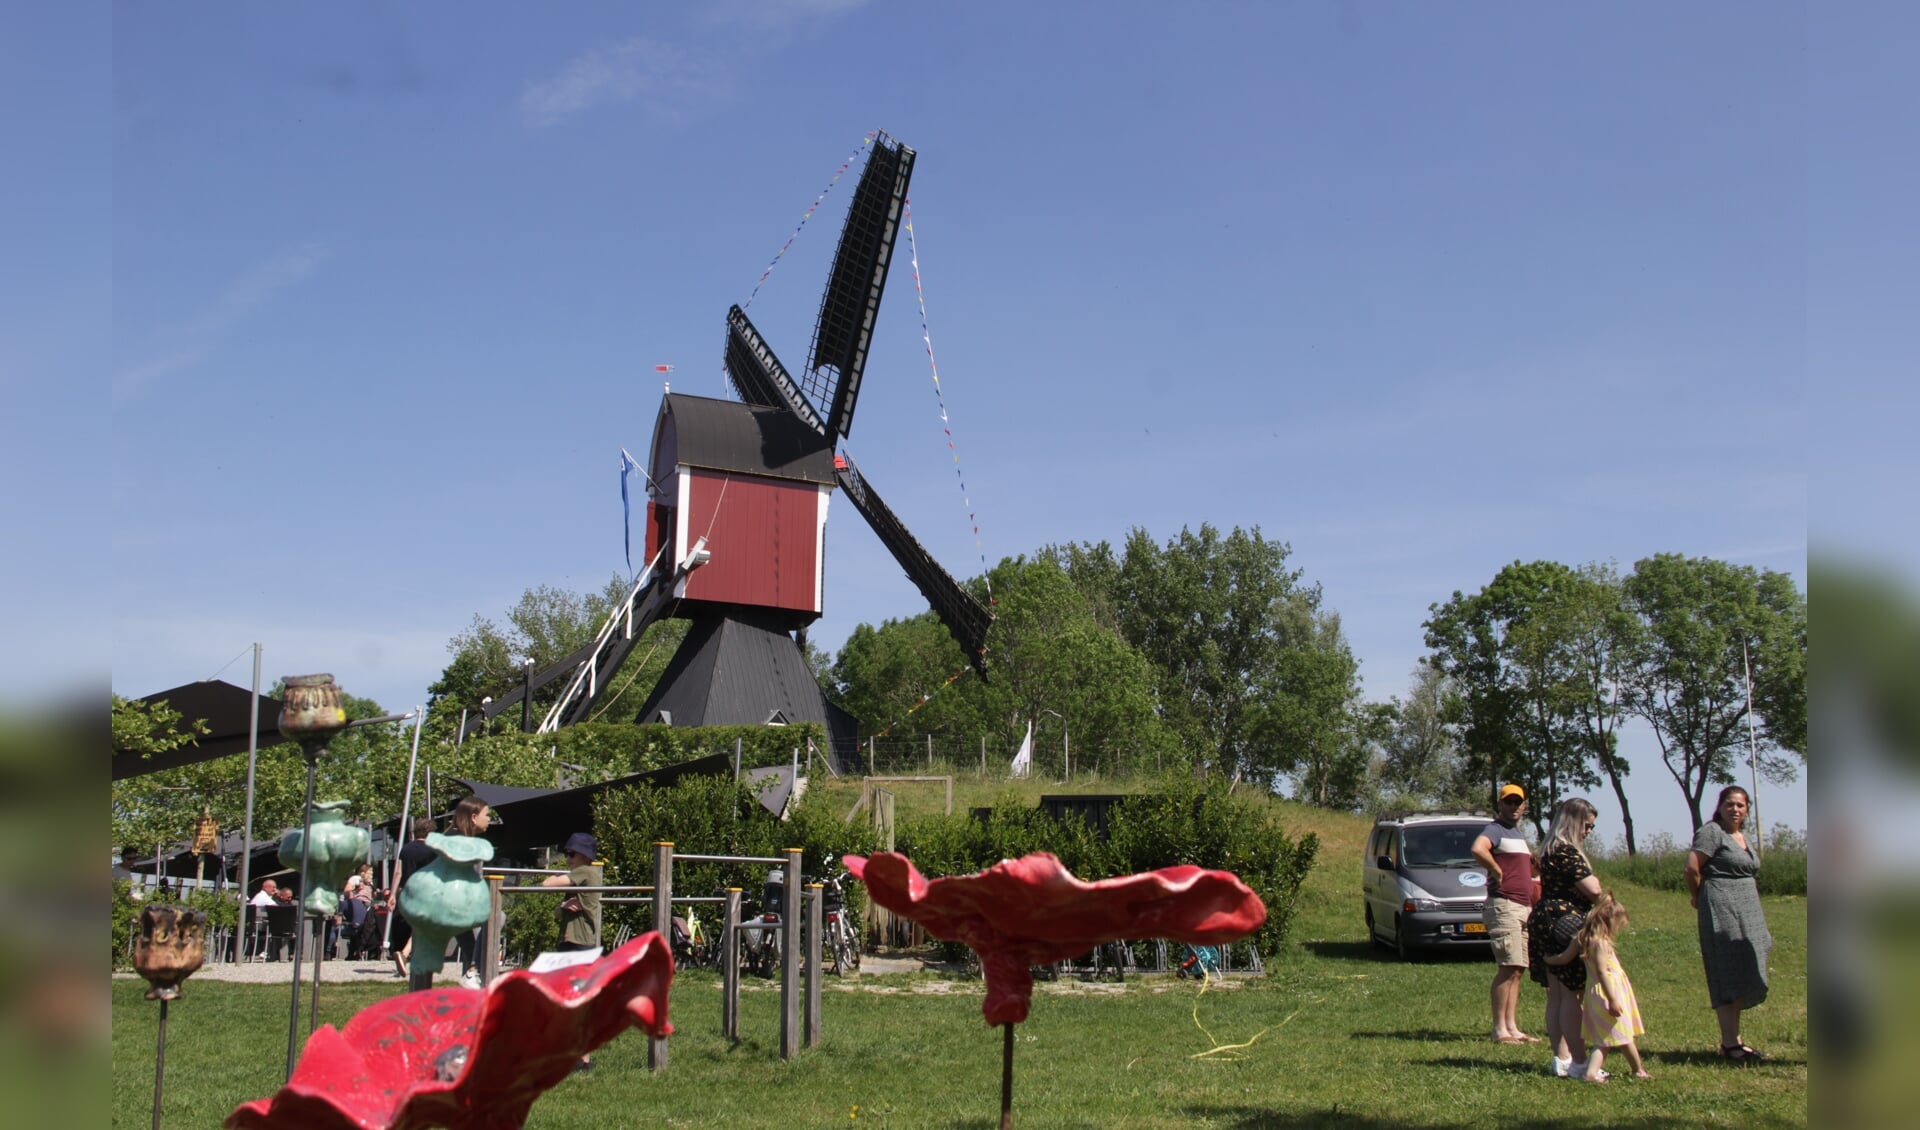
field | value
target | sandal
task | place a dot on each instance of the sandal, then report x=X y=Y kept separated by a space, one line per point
x=1741 y=1053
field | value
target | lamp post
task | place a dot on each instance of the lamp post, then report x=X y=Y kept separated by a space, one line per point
x=310 y=714
x=1066 y=749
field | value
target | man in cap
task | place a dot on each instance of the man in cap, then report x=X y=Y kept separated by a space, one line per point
x=579 y=914
x=1512 y=889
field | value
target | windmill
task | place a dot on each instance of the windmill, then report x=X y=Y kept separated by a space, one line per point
x=737 y=507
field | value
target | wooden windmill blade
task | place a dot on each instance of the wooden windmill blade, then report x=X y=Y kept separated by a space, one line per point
x=759 y=377
x=851 y=302
x=963 y=614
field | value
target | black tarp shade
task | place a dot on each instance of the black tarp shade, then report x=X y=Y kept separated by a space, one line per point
x=225 y=708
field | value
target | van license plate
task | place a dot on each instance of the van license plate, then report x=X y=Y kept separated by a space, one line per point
x=1473 y=927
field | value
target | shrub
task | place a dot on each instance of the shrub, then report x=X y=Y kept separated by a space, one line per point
x=1661 y=865
x=711 y=815
x=220 y=908
x=1186 y=822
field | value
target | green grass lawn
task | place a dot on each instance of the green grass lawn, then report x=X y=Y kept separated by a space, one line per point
x=1337 y=1034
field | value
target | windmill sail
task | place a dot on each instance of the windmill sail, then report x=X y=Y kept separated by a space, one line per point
x=757 y=374
x=958 y=609
x=852 y=299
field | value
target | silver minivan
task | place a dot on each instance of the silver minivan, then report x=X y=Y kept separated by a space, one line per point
x=1424 y=890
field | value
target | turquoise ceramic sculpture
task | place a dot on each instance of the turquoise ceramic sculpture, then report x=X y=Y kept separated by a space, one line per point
x=446 y=897
x=338 y=850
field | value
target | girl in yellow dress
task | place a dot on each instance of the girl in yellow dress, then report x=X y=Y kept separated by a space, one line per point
x=1609 y=1014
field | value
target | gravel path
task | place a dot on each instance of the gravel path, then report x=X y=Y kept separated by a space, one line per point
x=281 y=972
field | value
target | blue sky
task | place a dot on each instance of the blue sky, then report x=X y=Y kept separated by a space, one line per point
x=1420 y=290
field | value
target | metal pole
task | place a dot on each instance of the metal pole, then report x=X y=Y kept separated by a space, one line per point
x=790 y=960
x=526 y=696
x=159 y=1063
x=253 y=750
x=404 y=832
x=814 y=920
x=300 y=909
x=319 y=959
x=663 y=924
x=730 y=967
x=736 y=760
x=1753 y=754
x=461 y=735
x=496 y=925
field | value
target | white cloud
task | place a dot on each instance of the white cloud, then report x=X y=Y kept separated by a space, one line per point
x=190 y=342
x=775 y=15
x=670 y=85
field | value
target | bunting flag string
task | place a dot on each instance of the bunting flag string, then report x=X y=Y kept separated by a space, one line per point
x=946 y=425
x=915 y=708
x=837 y=174
x=726 y=383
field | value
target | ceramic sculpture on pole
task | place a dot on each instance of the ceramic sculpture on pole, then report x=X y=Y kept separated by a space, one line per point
x=446 y=897
x=311 y=713
x=335 y=849
x=170 y=943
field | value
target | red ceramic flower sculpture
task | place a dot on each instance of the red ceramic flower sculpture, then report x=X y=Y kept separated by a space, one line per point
x=1031 y=910
x=470 y=1059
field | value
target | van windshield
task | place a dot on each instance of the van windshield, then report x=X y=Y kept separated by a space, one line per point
x=1440 y=845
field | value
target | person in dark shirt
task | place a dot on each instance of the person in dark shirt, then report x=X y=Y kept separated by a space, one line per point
x=414 y=855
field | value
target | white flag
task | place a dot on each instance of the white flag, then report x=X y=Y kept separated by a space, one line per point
x=1023 y=761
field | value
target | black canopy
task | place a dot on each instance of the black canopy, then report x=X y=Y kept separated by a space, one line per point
x=225 y=708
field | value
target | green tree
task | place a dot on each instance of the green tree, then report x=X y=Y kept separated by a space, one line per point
x=1704 y=623
x=364 y=765
x=1600 y=639
x=1421 y=763
x=1506 y=653
x=1045 y=652
x=1214 y=616
x=1309 y=721
x=546 y=625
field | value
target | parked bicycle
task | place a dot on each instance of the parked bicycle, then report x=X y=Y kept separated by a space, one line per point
x=839 y=944
x=760 y=948
x=691 y=947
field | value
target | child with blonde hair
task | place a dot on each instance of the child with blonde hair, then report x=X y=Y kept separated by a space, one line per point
x=1609 y=1014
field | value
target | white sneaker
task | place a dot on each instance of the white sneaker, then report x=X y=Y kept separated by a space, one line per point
x=471 y=980
x=1562 y=1068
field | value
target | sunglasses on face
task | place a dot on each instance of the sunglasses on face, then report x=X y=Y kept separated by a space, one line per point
x=1513 y=800
x=1589 y=826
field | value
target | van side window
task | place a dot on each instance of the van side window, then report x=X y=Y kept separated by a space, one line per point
x=1391 y=846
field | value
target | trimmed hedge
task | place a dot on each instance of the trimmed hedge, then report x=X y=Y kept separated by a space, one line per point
x=708 y=815
x=1186 y=822
x=613 y=749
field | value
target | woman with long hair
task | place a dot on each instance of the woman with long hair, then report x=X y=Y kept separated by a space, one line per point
x=1567 y=890
x=471 y=817
x=1734 y=939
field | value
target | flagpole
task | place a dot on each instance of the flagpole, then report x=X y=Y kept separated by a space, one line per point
x=406 y=820
x=246 y=830
x=1753 y=754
